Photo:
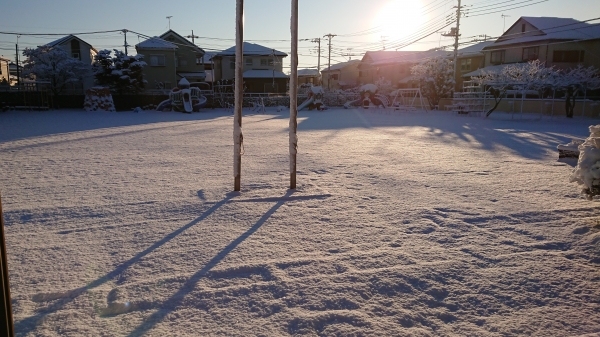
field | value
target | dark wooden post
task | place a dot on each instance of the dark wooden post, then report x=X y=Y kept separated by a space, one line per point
x=294 y=95
x=7 y=328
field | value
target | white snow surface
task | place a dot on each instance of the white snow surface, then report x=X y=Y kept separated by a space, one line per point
x=403 y=224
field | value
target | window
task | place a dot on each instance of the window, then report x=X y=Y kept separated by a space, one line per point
x=270 y=62
x=157 y=60
x=530 y=53
x=571 y=56
x=264 y=62
x=249 y=61
x=75 y=55
x=497 y=57
x=465 y=65
x=334 y=77
x=199 y=59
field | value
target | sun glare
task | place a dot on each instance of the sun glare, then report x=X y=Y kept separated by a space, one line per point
x=399 y=19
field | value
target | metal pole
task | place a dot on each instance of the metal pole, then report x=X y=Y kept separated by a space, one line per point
x=294 y=95
x=17 y=64
x=239 y=94
x=7 y=327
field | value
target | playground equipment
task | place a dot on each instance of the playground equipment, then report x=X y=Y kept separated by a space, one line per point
x=408 y=99
x=314 y=100
x=369 y=98
x=184 y=98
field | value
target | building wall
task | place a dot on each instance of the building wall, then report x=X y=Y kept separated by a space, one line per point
x=349 y=73
x=86 y=55
x=165 y=74
x=4 y=71
x=188 y=58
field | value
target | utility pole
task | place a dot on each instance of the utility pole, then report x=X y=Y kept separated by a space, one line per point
x=330 y=36
x=457 y=34
x=17 y=61
x=318 y=41
x=125 y=45
x=192 y=36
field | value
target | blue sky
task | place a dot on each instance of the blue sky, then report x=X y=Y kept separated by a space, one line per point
x=359 y=25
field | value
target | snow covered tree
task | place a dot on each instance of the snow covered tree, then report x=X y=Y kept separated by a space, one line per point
x=521 y=76
x=436 y=79
x=122 y=73
x=55 y=65
x=576 y=80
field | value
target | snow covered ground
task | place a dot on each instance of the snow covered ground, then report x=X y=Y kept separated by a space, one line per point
x=403 y=224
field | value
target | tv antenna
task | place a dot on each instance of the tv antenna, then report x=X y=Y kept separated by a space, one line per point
x=504 y=16
x=169 y=18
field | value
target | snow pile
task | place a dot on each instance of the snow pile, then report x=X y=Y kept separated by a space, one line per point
x=98 y=98
x=587 y=171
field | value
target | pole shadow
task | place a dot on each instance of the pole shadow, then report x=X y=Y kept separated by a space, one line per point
x=27 y=325
x=189 y=285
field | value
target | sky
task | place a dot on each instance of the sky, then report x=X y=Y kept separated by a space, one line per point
x=358 y=26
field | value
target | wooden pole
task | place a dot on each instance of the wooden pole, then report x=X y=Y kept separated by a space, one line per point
x=7 y=327
x=294 y=95
x=239 y=94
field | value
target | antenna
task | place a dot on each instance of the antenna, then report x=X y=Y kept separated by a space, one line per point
x=504 y=16
x=169 y=18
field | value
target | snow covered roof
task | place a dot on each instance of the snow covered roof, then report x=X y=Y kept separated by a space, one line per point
x=252 y=49
x=475 y=49
x=550 y=28
x=67 y=38
x=156 y=43
x=488 y=69
x=339 y=66
x=253 y=73
x=182 y=39
x=385 y=57
x=308 y=72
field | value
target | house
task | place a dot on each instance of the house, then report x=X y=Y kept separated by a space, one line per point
x=4 y=69
x=341 y=76
x=393 y=66
x=189 y=58
x=309 y=76
x=560 y=42
x=169 y=58
x=263 y=68
x=469 y=59
x=80 y=50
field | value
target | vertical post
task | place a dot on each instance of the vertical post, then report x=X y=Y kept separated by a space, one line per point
x=294 y=95
x=456 y=42
x=239 y=94
x=17 y=64
x=7 y=327
x=125 y=45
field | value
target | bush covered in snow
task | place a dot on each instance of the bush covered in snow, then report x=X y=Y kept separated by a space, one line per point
x=587 y=171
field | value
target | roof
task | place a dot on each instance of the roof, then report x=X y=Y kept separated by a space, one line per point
x=488 y=69
x=308 y=72
x=67 y=38
x=156 y=43
x=252 y=49
x=183 y=39
x=475 y=49
x=339 y=66
x=193 y=74
x=253 y=73
x=385 y=57
x=550 y=28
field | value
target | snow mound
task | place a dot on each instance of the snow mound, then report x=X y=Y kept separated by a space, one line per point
x=98 y=99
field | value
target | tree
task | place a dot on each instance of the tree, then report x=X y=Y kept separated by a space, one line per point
x=436 y=79
x=55 y=65
x=520 y=77
x=574 y=81
x=122 y=73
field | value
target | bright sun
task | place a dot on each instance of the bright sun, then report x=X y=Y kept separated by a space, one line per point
x=398 y=19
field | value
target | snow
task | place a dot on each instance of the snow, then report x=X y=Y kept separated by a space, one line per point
x=403 y=224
